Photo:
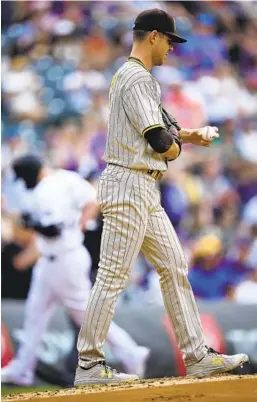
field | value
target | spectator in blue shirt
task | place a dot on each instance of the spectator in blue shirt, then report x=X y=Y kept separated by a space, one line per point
x=212 y=276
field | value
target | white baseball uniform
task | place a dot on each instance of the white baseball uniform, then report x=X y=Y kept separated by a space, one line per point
x=134 y=220
x=61 y=275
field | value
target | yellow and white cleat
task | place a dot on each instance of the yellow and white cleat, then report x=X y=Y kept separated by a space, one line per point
x=215 y=363
x=100 y=374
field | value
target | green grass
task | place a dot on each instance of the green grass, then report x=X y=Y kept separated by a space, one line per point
x=23 y=390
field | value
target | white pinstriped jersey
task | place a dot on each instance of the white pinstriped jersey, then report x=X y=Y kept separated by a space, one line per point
x=135 y=107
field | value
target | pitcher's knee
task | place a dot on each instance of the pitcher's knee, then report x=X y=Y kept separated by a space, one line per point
x=179 y=268
x=183 y=266
x=113 y=279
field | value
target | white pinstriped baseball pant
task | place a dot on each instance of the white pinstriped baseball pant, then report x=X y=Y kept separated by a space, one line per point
x=134 y=220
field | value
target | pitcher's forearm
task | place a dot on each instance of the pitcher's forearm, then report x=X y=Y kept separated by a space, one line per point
x=185 y=134
x=198 y=136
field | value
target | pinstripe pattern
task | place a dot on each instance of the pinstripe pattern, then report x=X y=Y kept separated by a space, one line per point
x=134 y=99
x=134 y=220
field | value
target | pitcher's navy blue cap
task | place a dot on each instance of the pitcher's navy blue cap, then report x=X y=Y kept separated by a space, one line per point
x=158 y=20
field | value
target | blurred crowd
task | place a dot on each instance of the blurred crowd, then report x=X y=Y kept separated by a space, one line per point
x=57 y=61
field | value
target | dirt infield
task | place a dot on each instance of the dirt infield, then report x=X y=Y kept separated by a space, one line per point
x=217 y=389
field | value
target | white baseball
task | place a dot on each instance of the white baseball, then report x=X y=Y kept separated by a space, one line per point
x=209 y=133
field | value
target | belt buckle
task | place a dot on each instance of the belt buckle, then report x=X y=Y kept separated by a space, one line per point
x=155 y=174
x=159 y=176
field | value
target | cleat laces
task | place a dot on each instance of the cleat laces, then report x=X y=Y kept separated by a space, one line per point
x=109 y=370
x=210 y=350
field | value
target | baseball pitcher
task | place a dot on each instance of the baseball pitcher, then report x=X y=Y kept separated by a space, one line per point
x=142 y=138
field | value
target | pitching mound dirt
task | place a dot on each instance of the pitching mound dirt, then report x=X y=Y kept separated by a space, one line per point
x=217 y=389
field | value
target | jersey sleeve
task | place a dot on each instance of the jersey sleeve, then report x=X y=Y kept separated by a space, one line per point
x=142 y=106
